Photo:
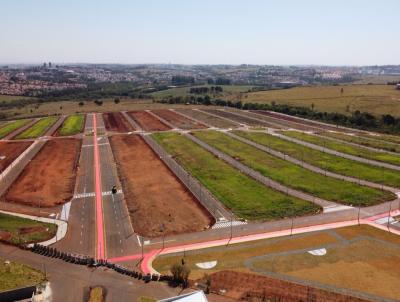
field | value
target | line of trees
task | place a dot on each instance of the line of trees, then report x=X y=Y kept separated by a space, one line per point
x=360 y=120
x=204 y=90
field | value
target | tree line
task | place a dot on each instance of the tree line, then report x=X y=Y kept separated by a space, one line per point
x=357 y=119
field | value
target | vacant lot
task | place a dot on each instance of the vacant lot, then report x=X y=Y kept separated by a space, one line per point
x=115 y=121
x=38 y=129
x=147 y=121
x=240 y=119
x=345 y=148
x=361 y=258
x=154 y=195
x=15 y=275
x=228 y=90
x=246 y=197
x=12 y=126
x=206 y=118
x=376 y=99
x=72 y=125
x=326 y=161
x=17 y=230
x=9 y=151
x=49 y=179
x=292 y=175
x=373 y=142
x=178 y=120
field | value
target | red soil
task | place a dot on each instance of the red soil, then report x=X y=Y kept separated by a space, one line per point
x=178 y=120
x=252 y=287
x=49 y=179
x=115 y=121
x=11 y=150
x=153 y=194
x=147 y=121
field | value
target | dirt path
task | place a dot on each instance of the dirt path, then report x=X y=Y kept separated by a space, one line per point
x=147 y=121
x=154 y=195
x=178 y=120
x=49 y=179
x=115 y=121
x=9 y=151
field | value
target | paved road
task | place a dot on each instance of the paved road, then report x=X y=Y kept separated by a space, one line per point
x=55 y=126
x=337 y=153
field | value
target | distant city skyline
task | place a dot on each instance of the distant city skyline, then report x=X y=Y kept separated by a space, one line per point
x=310 y=32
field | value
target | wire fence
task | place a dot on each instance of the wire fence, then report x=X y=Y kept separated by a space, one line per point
x=195 y=187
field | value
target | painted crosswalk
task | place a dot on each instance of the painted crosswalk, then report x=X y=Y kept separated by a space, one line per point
x=92 y=194
x=227 y=224
x=385 y=220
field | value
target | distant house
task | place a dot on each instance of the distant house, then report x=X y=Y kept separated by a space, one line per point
x=398 y=86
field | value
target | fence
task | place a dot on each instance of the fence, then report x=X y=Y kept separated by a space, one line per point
x=202 y=194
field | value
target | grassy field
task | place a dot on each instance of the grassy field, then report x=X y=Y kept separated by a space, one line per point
x=244 y=196
x=15 y=275
x=326 y=161
x=20 y=230
x=376 y=99
x=183 y=91
x=383 y=137
x=373 y=142
x=72 y=125
x=38 y=129
x=359 y=257
x=292 y=175
x=11 y=98
x=344 y=148
x=10 y=127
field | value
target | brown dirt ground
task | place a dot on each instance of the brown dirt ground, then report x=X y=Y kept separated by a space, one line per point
x=154 y=195
x=5 y=236
x=178 y=120
x=147 y=121
x=49 y=179
x=239 y=119
x=250 y=287
x=115 y=121
x=11 y=150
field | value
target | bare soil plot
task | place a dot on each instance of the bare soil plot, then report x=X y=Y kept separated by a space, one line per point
x=49 y=179
x=239 y=119
x=294 y=122
x=178 y=120
x=209 y=119
x=9 y=151
x=147 y=121
x=115 y=121
x=153 y=194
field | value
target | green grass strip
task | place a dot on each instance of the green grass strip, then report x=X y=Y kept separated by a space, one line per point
x=363 y=141
x=383 y=137
x=246 y=197
x=72 y=125
x=38 y=129
x=10 y=127
x=294 y=176
x=326 y=161
x=14 y=225
x=15 y=275
x=345 y=148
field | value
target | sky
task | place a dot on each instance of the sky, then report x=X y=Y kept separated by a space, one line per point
x=278 y=32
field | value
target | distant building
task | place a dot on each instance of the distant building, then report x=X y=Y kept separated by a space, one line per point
x=398 y=86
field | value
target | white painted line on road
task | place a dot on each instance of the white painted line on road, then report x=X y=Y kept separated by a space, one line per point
x=227 y=224
x=138 y=240
x=336 y=208
x=147 y=242
x=102 y=144
x=92 y=194
x=65 y=211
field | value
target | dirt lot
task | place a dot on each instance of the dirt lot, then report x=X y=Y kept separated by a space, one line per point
x=240 y=119
x=154 y=195
x=115 y=121
x=10 y=151
x=209 y=119
x=147 y=121
x=49 y=179
x=178 y=120
x=250 y=287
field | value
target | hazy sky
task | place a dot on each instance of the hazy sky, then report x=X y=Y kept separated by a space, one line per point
x=339 y=32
